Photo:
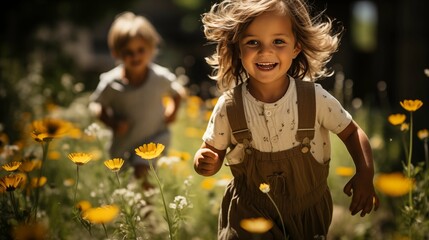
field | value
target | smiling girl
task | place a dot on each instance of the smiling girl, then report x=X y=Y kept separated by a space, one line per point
x=272 y=122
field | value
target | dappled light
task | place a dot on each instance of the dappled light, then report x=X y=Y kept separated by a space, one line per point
x=58 y=179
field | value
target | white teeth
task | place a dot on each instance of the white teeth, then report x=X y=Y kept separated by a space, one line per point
x=266 y=66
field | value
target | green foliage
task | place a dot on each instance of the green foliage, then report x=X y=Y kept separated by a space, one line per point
x=192 y=201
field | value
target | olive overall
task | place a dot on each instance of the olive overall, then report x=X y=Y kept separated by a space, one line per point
x=298 y=183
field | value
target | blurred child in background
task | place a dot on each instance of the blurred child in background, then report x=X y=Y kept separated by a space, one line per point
x=130 y=98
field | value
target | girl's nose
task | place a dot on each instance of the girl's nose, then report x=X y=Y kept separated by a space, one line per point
x=266 y=49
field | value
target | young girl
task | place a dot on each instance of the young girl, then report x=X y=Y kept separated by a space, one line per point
x=129 y=97
x=276 y=122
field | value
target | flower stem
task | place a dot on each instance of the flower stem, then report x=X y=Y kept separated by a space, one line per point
x=105 y=231
x=163 y=200
x=404 y=143
x=280 y=215
x=117 y=177
x=77 y=182
x=15 y=208
x=45 y=147
x=410 y=152
x=425 y=144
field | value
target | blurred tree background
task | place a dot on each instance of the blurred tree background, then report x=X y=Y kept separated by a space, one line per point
x=381 y=60
x=52 y=52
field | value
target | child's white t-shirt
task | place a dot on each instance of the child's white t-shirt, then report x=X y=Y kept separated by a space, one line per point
x=274 y=125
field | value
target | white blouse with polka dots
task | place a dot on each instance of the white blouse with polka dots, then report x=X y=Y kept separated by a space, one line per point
x=274 y=125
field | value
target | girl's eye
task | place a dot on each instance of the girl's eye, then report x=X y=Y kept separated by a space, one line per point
x=278 y=41
x=252 y=43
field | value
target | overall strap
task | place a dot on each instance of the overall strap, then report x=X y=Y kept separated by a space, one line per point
x=306 y=113
x=237 y=118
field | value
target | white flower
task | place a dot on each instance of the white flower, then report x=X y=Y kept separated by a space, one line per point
x=172 y=206
x=188 y=181
x=167 y=161
x=179 y=202
x=222 y=182
x=92 y=129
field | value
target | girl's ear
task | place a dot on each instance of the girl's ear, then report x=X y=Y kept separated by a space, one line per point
x=296 y=50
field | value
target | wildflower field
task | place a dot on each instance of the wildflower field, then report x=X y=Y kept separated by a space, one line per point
x=58 y=182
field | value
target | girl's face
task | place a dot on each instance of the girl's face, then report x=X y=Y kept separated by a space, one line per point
x=136 y=55
x=267 y=47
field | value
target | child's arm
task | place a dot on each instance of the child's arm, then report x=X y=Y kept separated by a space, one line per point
x=172 y=109
x=208 y=160
x=119 y=126
x=360 y=187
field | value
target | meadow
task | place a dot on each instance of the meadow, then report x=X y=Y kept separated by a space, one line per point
x=58 y=182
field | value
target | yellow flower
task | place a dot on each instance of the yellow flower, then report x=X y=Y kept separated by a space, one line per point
x=150 y=151
x=68 y=182
x=423 y=134
x=210 y=103
x=208 y=115
x=405 y=127
x=101 y=215
x=344 y=171
x=42 y=181
x=396 y=119
x=28 y=165
x=47 y=129
x=256 y=225
x=10 y=182
x=208 y=183
x=80 y=158
x=195 y=100
x=83 y=205
x=54 y=155
x=393 y=184
x=265 y=188
x=193 y=106
x=23 y=177
x=411 y=105
x=38 y=163
x=12 y=166
x=114 y=164
x=185 y=156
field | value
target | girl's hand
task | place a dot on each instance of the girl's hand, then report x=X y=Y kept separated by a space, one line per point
x=360 y=187
x=208 y=160
x=364 y=198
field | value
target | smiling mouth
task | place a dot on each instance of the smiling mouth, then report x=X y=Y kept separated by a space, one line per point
x=266 y=66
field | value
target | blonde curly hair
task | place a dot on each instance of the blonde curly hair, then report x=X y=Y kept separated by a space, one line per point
x=226 y=21
x=127 y=26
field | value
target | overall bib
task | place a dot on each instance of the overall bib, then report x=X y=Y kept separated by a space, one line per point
x=297 y=181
